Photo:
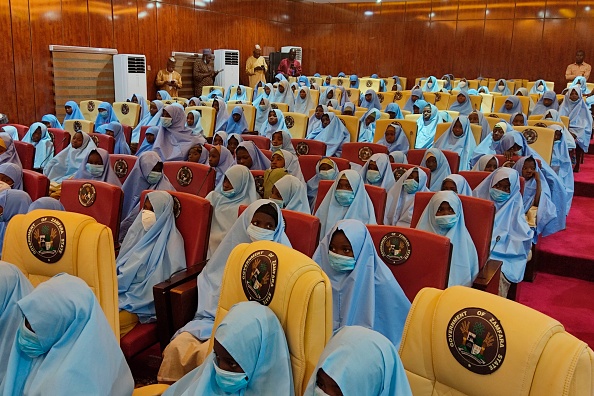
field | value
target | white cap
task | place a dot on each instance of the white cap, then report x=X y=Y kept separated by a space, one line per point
x=258 y=47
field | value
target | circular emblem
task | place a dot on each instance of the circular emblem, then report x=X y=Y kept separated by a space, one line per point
x=120 y=167
x=184 y=176
x=259 y=180
x=369 y=83
x=365 y=153
x=349 y=93
x=289 y=121
x=477 y=341
x=273 y=105
x=95 y=140
x=394 y=248
x=258 y=276
x=492 y=115
x=176 y=207
x=398 y=172
x=169 y=102
x=437 y=97
x=339 y=82
x=77 y=126
x=380 y=97
x=302 y=148
x=46 y=238
x=541 y=124
x=87 y=194
x=125 y=108
x=211 y=89
x=90 y=105
x=398 y=95
x=531 y=135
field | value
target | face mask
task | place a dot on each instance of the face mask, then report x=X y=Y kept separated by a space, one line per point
x=540 y=88
x=259 y=234
x=148 y=219
x=274 y=148
x=230 y=382
x=94 y=170
x=228 y=193
x=344 y=197
x=279 y=202
x=462 y=84
x=556 y=143
x=154 y=177
x=319 y=392
x=498 y=195
x=446 y=222
x=166 y=122
x=28 y=342
x=500 y=87
x=327 y=174
x=518 y=153
x=429 y=84
x=103 y=114
x=263 y=107
x=341 y=263
x=4 y=186
x=410 y=185
x=373 y=176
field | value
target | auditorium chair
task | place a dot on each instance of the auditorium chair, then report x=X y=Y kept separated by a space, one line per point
x=122 y=164
x=259 y=181
x=279 y=106
x=128 y=113
x=385 y=98
x=61 y=139
x=341 y=82
x=309 y=162
x=142 y=134
x=423 y=258
x=536 y=121
x=476 y=129
x=539 y=139
x=439 y=99
x=127 y=131
x=416 y=156
x=249 y=112
x=103 y=141
x=90 y=109
x=21 y=129
x=409 y=127
x=486 y=103
x=360 y=113
x=353 y=95
x=316 y=80
x=499 y=101
x=248 y=90
x=207 y=118
x=44 y=243
x=474 y=178
x=402 y=168
x=589 y=85
x=401 y=97
x=297 y=124
x=352 y=125
x=26 y=153
x=262 y=142
x=359 y=153
x=35 y=184
x=315 y=95
x=73 y=126
x=190 y=177
x=366 y=83
x=309 y=147
x=267 y=153
x=206 y=90
x=461 y=341
x=494 y=118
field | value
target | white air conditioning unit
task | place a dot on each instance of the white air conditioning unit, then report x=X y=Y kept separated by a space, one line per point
x=228 y=61
x=298 y=50
x=129 y=72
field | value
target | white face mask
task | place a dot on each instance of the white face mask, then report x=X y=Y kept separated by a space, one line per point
x=4 y=186
x=148 y=219
x=430 y=84
x=166 y=122
x=319 y=392
x=500 y=87
x=462 y=84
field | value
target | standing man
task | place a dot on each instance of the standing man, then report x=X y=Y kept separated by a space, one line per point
x=204 y=72
x=168 y=79
x=255 y=67
x=290 y=67
x=579 y=68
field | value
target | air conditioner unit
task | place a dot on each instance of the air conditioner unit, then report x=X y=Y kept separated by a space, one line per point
x=228 y=61
x=129 y=72
x=298 y=50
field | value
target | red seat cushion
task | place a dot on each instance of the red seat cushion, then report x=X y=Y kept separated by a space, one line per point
x=142 y=336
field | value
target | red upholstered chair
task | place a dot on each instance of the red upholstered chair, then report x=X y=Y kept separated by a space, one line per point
x=102 y=201
x=26 y=152
x=259 y=180
x=416 y=157
x=60 y=137
x=399 y=170
x=127 y=133
x=193 y=216
x=474 y=178
x=360 y=152
x=262 y=142
x=21 y=129
x=267 y=153
x=423 y=260
x=122 y=164
x=190 y=177
x=35 y=184
x=142 y=134
x=308 y=164
x=308 y=147
x=105 y=142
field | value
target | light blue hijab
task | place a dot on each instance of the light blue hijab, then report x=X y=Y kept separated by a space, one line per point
x=291 y=164
x=303 y=81
x=313 y=183
x=361 y=208
x=262 y=112
x=426 y=128
x=303 y=106
x=394 y=108
x=400 y=142
x=164 y=95
x=226 y=161
x=534 y=89
x=68 y=161
x=145 y=145
x=353 y=79
x=10 y=155
x=465 y=265
x=44 y=148
x=101 y=122
x=174 y=142
x=581 y=81
x=15 y=172
x=144 y=107
x=399 y=157
x=241 y=97
x=284 y=97
x=400 y=204
x=237 y=127
x=463 y=145
x=254 y=337
x=519 y=113
x=361 y=362
x=121 y=145
x=149 y=257
x=196 y=127
x=465 y=107
x=561 y=162
x=314 y=123
x=434 y=87
x=505 y=91
x=462 y=186
x=442 y=170
x=148 y=120
x=46 y=203
x=348 y=105
x=553 y=115
x=82 y=354
x=516 y=108
x=10 y=131
x=259 y=160
x=580 y=119
x=294 y=194
x=334 y=135
x=264 y=95
x=540 y=107
x=408 y=106
x=14 y=202
x=76 y=113
x=488 y=145
x=368 y=295
x=53 y=121
x=267 y=130
x=323 y=100
x=374 y=103
x=209 y=280
x=108 y=175
x=367 y=132
x=382 y=161
x=222 y=117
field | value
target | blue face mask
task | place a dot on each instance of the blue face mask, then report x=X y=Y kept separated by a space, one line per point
x=410 y=185
x=230 y=382
x=327 y=174
x=446 y=222
x=373 y=176
x=103 y=114
x=228 y=193
x=28 y=342
x=274 y=148
x=154 y=177
x=344 y=197
x=94 y=170
x=557 y=142
x=498 y=195
x=341 y=263
x=259 y=234
x=279 y=202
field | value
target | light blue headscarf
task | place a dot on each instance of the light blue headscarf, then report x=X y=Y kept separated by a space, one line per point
x=82 y=354
x=510 y=227
x=14 y=202
x=313 y=183
x=209 y=280
x=348 y=105
x=442 y=170
x=53 y=121
x=226 y=161
x=148 y=120
x=15 y=172
x=400 y=204
x=44 y=148
x=353 y=79
x=368 y=295
x=236 y=127
x=303 y=81
x=447 y=84
x=121 y=145
x=580 y=119
x=164 y=95
x=408 y=106
x=267 y=130
x=341 y=74
x=303 y=106
x=462 y=186
x=259 y=160
x=426 y=128
x=367 y=132
x=146 y=146
x=400 y=142
x=262 y=113
x=361 y=362
x=314 y=122
x=463 y=145
x=521 y=114
x=254 y=337
x=223 y=135
x=434 y=87
x=264 y=95
x=221 y=116
x=149 y=257
x=284 y=97
x=553 y=115
x=294 y=194
x=334 y=135
x=361 y=208
x=540 y=107
x=46 y=203
x=287 y=144
x=535 y=90
x=382 y=82
x=323 y=100
x=516 y=108
x=394 y=108
x=482 y=162
x=197 y=102
x=291 y=164
x=463 y=108
x=10 y=131
x=581 y=82
x=382 y=161
x=561 y=162
x=68 y=161
x=236 y=136
x=10 y=155
x=241 y=97
x=196 y=127
x=76 y=113
x=488 y=145
x=399 y=157
x=172 y=143
x=483 y=89
x=101 y=122
x=374 y=103
x=505 y=91
x=144 y=107
x=465 y=265
x=108 y=175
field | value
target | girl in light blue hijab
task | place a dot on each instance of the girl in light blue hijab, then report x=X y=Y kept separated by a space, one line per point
x=486 y=163
x=398 y=157
x=458 y=138
x=194 y=101
x=303 y=81
x=478 y=118
x=224 y=162
x=580 y=118
x=382 y=82
x=348 y=109
x=539 y=87
x=237 y=122
x=415 y=94
x=426 y=125
x=284 y=94
x=395 y=139
x=13 y=202
x=48 y=203
x=397 y=84
x=152 y=250
x=290 y=193
x=444 y=216
x=303 y=101
x=457 y=184
x=10 y=131
x=274 y=122
x=369 y=100
x=282 y=140
x=502 y=87
x=291 y=163
x=149 y=139
x=264 y=95
x=464 y=107
x=395 y=109
x=240 y=94
x=255 y=340
x=548 y=101
x=75 y=113
x=377 y=171
x=367 y=125
x=144 y=107
x=462 y=86
x=580 y=83
x=105 y=115
x=332 y=132
x=195 y=125
x=561 y=162
x=346 y=199
x=430 y=85
x=327 y=95
x=64 y=165
x=511 y=105
x=401 y=197
x=519 y=119
x=9 y=155
x=361 y=362
x=38 y=136
x=68 y=347
x=152 y=118
x=447 y=83
x=492 y=143
x=116 y=130
x=163 y=95
x=221 y=115
x=353 y=81
x=220 y=138
x=51 y=121
x=99 y=172
x=263 y=108
x=315 y=121
x=364 y=290
x=174 y=140
x=249 y=155
x=14 y=173
x=329 y=172
x=436 y=161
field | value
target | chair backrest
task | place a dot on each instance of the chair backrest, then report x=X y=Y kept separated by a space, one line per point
x=494 y=118
x=60 y=137
x=71 y=126
x=297 y=124
x=440 y=129
x=416 y=156
x=26 y=152
x=385 y=98
x=207 y=118
x=249 y=112
x=316 y=80
x=400 y=169
x=412 y=117
x=127 y=131
x=408 y=126
x=366 y=83
x=209 y=88
x=378 y=196
x=417 y=258
x=539 y=139
x=280 y=106
x=128 y=113
x=248 y=90
x=353 y=95
x=341 y=82
x=535 y=120
x=401 y=97
x=439 y=99
x=35 y=184
x=360 y=113
x=102 y=201
x=315 y=95
x=500 y=100
x=299 y=293
x=262 y=142
x=308 y=164
x=190 y=177
x=122 y=164
x=105 y=142
x=352 y=125
x=487 y=103
x=90 y=109
x=44 y=243
x=359 y=153
x=308 y=146
x=462 y=341
x=21 y=129
x=474 y=178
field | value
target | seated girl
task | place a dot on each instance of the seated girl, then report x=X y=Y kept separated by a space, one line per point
x=116 y=131
x=486 y=163
x=233 y=141
x=394 y=111
x=96 y=166
x=511 y=105
x=11 y=176
x=348 y=109
x=553 y=115
x=401 y=197
x=61 y=340
x=457 y=184
x=444 y=215
x=548 y=101
x=249 y=155
x=12 y=203
x=262 y=110
x=149 y=140
x=284 y=95
x=267 y=91
x=48 y=203
x=540 y=87
x=326 y=169
x=437 y=163
x=163 y=95
x=237 y=122
x=39 y=137
x=460 y=139
x=415 y=95
x=328 y=94
x=478 y=118
x=72 y=111
x=519 y=119
x=250 y=356
x=275 y=122
x=367 y=125
x=369 y=100
x=346 y=199
x=221 y=115
x=290 y=193
x=580 y=120
x=151 y=252
x=220 y=159
x=398 y=157
x=364 y=290
x=51 y=121
x=524 y=92
x=359 y=361
x=561 y=162
x=151 y=119
x=220 y=139
x=502 y=87
x=64 y=165
x=10 y=131
x=492 y=143
x=105 y=115
x=282 y=140
x=284 y=159
x=240 y=94
x=315 y=121
x=262 y=220
x=194 y=124
x=378 y=172
x=426 y=125
x=430 y=85
x=462 y=105
x=332 y=132
x=395 y=139
x=198 y=154
x=304 y=102
x=174 y=140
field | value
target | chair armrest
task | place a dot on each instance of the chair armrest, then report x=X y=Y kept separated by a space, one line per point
x=185 y=300
x=488 y=277
x=150 y=390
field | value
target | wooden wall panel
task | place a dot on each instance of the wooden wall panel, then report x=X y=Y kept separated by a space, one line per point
x=467 y=60
x=23 y=64
x=8 y=104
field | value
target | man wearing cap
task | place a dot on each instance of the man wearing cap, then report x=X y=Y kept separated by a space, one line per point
x=169 y=79
x=290 y=67
x=255 y=67
x=204 y=72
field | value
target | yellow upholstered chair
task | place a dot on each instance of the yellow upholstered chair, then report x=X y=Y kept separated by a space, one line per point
x=476 y=101
x=353 y=95
x=540 y=140
x=589 y=85
x=389 y=82
x=473 y=84
x=340 y=81
x=248 y=90
x=412 y=117
x=181 y=101
x=207 y=118
x=281 y=106
x=71 y=126
x=44 y=243
x=408 y=127
x=315 y=96
x=487 y=103
x=536 y=121
x=299 y=293
x=477 y=131
x=493 y=118
x=89 y=109
x=352 y=125
x=385 y=98
x=564 y=120
x=128 y=113
x=441 y=100
x=150 y=390
x=249 y=112
x=361 y=113
x=297 y=124
x=209 y=88
x=466 y=342
x=316 y=80
x=453 y=114
x=440 y=129
x=401 y=97
x=369 y=83
x=498 y=101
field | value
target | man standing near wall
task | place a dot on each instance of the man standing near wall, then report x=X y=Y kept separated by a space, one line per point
x=204 y=72
x=255 y=67
x=579 y=68
x=290 y=67
x=169 y=79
